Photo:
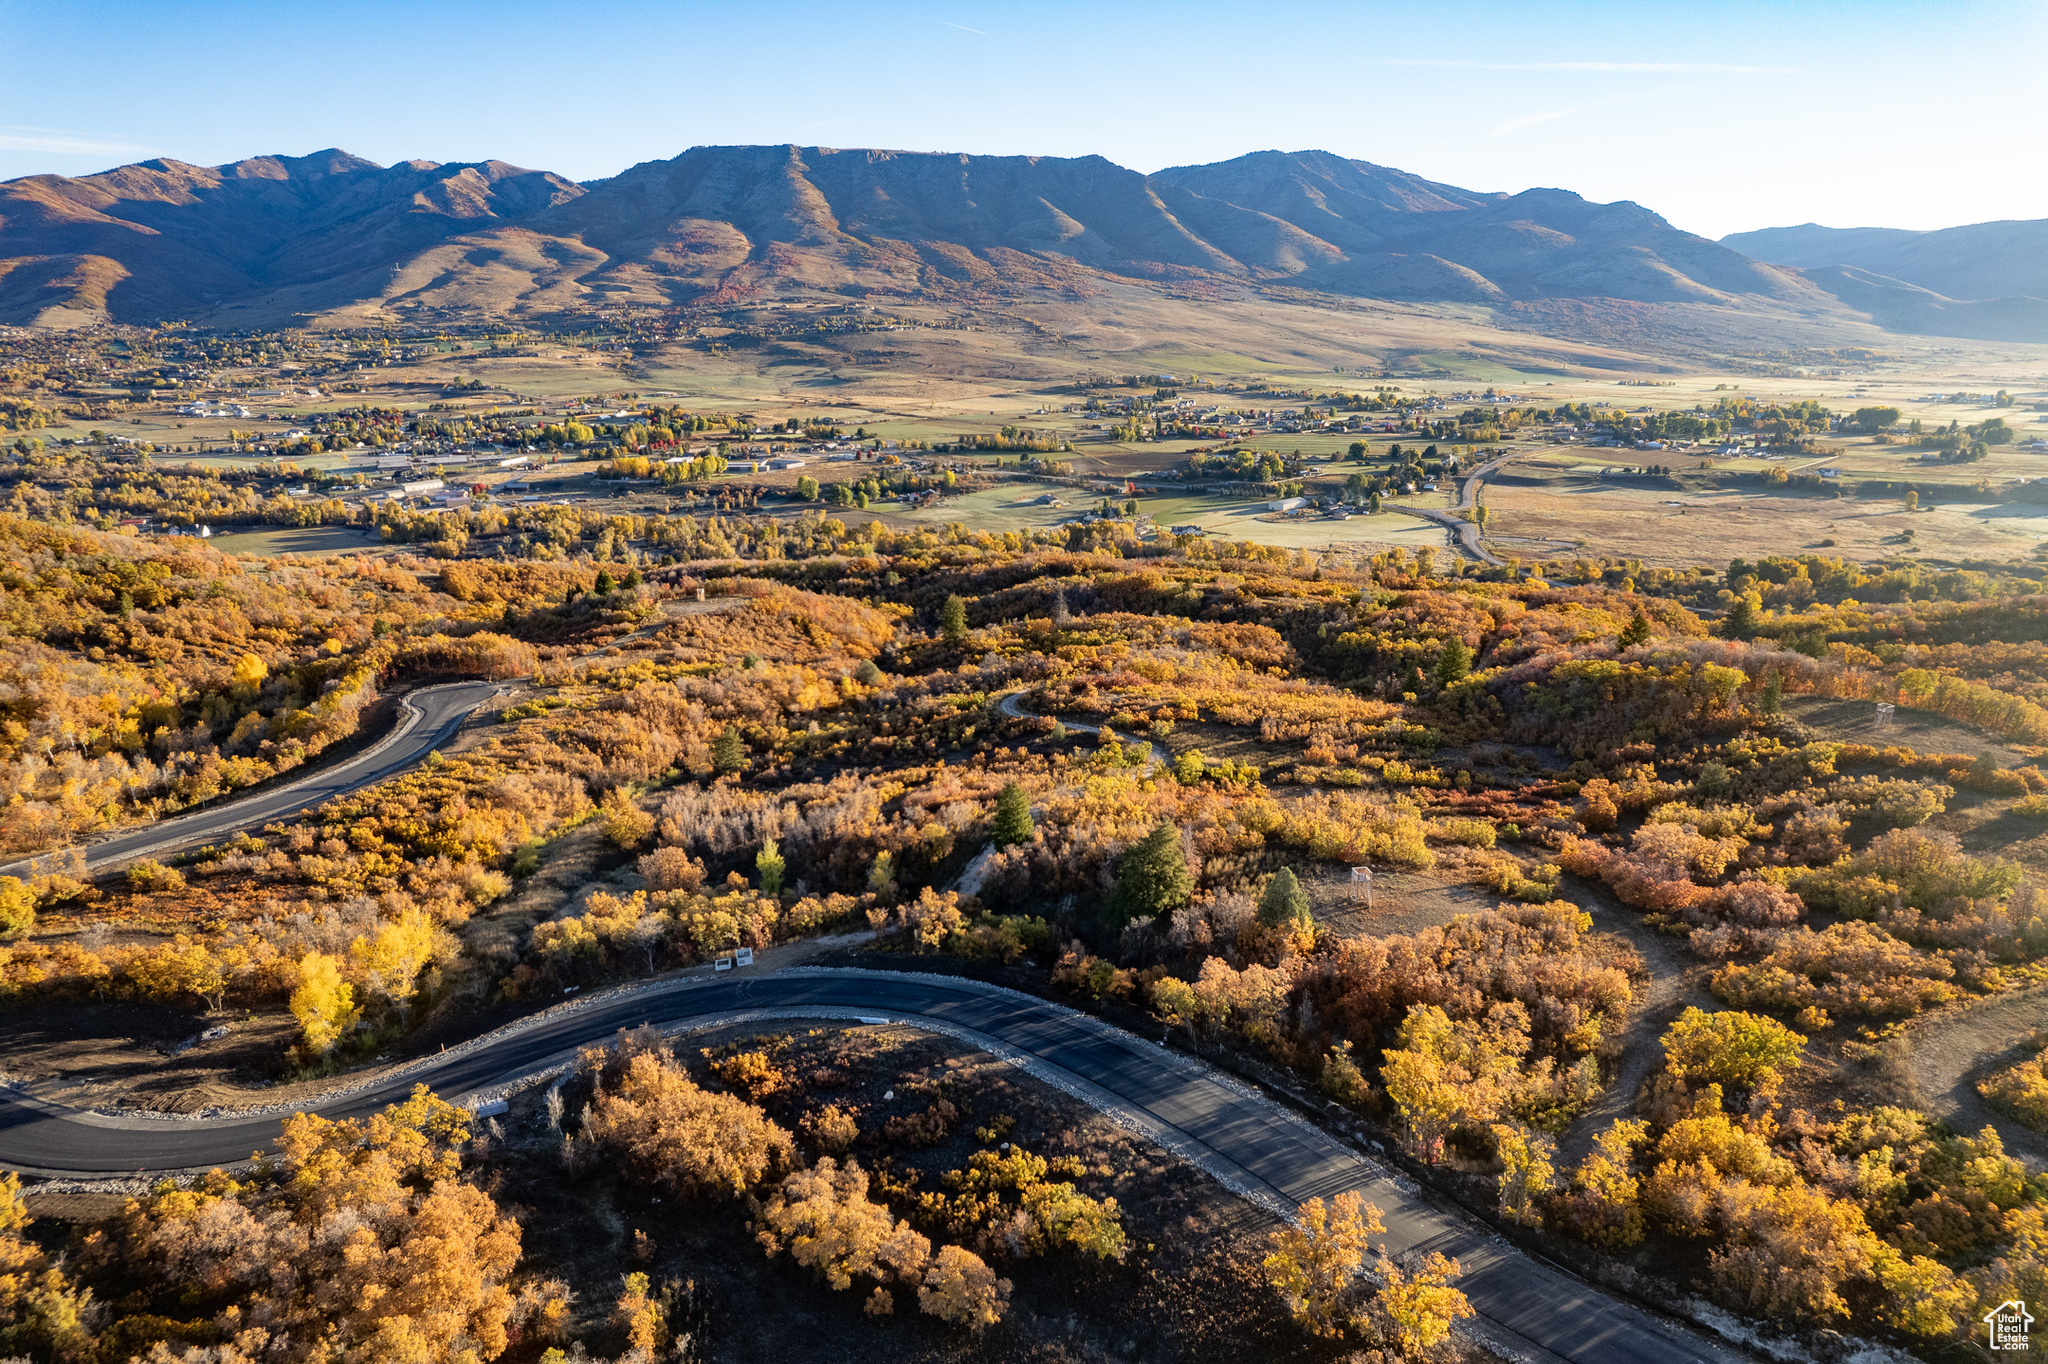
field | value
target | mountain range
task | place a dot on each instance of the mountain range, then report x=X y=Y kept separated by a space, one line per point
x=1985 y=280
x=279 y=239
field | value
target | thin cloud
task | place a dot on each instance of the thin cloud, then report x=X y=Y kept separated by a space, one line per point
x=1686 y=68
x=59 y=142
x=1515 y=125
x=962 y=27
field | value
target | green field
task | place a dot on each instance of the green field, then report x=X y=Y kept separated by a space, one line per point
x=306 y=540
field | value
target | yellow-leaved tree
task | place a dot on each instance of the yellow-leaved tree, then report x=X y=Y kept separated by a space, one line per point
x=670 y=1131
x=250 y=672
x=322 y=1002
x=363 y=1237
x=1315 y=1263
x=391 y=958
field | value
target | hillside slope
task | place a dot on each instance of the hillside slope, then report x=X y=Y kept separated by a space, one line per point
x=164 y=239
x=277 y=239
x=1979 y=261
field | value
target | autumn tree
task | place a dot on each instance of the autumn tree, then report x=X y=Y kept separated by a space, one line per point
x=1791 y=1250
x=177 y=969
x=1012 y=824
x=640 y=1315
x=769 y=865
x=1739 y=1051
x=1604 y=1203
x=1414 y=1310
x=414 y=1263
x=1153 y=877
x=1526 y=1174
x=17 y=907
x=390 y=960
x=323 y=1003
x=42 y=1314
x=669 y=1131
x=825 y=1219
x=250 y=672
x=1445 y=1073
x=1315 y=1262
x=959 y=1288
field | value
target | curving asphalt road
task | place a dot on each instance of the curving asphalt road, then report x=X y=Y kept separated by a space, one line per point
x=1535 y=1311
x=430 y=716
x=1466 y=533
x=1012 y=705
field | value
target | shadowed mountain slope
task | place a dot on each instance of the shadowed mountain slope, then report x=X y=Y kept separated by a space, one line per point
x=306 y=232
x=1980 y=261
x=277 y=238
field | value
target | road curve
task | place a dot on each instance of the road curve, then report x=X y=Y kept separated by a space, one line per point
x=1276 y=1158
x=429 y=717
x=1466 y=533
x=1012 y=705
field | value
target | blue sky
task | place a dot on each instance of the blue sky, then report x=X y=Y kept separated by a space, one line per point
x=1720 y=116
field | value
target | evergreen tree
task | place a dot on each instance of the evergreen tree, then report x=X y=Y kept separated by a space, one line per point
x=728 y=754
x=1013 y=817
x=1453 y=663
x=604 y=583
x=1284 y=903
x=1153 y=878
x=953 y=619
x=1743 y=615
x=1635 y=632
x=1373 y=503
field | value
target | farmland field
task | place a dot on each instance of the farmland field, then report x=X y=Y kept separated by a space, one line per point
x=306 y=540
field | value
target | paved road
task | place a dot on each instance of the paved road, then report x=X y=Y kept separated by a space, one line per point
x=1275 y=1157
x=1012 y=705
x=1466 y=533
x=429 y=717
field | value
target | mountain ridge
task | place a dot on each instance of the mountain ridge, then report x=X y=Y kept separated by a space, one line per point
x=278 y=238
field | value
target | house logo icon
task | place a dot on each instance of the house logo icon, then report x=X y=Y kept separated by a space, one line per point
x=2007 y=1326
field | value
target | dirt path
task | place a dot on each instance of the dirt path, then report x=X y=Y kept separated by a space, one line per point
x=1955 y=1048
x=1667 y=995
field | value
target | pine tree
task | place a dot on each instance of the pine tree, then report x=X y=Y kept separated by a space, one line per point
x=1153 y=878
x=953 y=620
x=1743 y=615
x=1635 y=632
x=604 y=584
x=1284 y=903
x=728 y=754
x=1013 y=817
x=1453 y=663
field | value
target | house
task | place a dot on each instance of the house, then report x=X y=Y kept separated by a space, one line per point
x=1287 y=504
x=1186 y=530
x=421 y=488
